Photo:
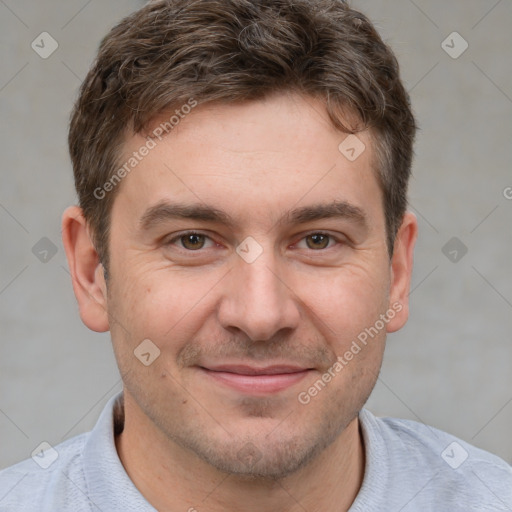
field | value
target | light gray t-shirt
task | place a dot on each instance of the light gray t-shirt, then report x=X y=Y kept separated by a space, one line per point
x=410 y=467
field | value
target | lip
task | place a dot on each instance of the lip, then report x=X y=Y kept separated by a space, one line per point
x=257 y=381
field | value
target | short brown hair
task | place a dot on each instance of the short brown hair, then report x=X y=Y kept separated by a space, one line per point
x=238 y=50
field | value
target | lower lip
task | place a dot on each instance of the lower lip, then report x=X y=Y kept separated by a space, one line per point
x=257 y=384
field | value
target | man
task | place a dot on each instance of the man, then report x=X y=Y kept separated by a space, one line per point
x=242 y=232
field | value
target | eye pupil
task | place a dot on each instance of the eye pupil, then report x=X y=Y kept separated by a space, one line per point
x=319 y=240
x=193 y=241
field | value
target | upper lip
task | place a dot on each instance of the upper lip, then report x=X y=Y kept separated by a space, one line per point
x=252 y=370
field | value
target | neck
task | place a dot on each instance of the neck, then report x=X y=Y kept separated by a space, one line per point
x=172 y=477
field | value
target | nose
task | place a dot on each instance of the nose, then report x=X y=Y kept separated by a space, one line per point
x=258 y=300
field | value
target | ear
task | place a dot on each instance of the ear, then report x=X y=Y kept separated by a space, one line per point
x=86 y=270
x=401 y=271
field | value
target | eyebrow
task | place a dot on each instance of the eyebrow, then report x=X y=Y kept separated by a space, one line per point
x=165 y=211
x=335 y=209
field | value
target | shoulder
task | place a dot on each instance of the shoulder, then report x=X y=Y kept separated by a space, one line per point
x=42 y=482
x=423 y=442
x=439 y=467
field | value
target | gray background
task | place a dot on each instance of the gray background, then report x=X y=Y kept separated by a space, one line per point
x=449 y=367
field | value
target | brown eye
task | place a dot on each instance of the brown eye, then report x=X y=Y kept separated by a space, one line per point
x=317 y=241
x=193 y=241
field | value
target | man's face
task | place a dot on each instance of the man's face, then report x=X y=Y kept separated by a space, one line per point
x=295 y=295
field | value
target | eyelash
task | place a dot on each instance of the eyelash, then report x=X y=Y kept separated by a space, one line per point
x=188 y=233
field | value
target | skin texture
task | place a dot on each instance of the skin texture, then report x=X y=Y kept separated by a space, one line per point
x=189 y=440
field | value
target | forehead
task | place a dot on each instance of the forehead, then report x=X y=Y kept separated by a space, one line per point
x=256 y=159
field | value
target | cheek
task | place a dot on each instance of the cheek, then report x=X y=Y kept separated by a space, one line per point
x=164 y=304
x=348 y=300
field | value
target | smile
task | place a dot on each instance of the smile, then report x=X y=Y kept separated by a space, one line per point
x=256 y=381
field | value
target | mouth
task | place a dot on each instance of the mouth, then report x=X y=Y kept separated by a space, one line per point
x=256 y=381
